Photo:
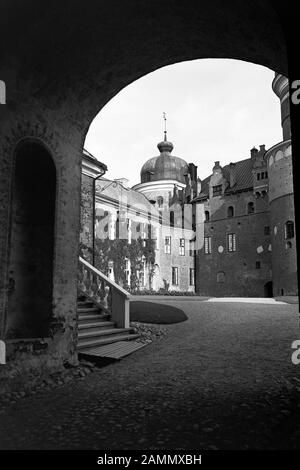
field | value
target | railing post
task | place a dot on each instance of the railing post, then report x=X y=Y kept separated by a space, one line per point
x=119 y=309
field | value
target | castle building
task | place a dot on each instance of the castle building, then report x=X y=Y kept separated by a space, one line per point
x=152 y=210
x=245 y=227
x=232 y=234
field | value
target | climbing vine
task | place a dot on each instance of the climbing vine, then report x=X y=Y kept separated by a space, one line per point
x=117 y=251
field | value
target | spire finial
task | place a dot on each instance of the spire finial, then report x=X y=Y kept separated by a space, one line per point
x=165 y=131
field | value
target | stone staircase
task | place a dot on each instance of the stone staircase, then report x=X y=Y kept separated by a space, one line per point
x=95 y=328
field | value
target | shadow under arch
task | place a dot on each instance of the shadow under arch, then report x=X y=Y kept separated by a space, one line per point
x=32 y=232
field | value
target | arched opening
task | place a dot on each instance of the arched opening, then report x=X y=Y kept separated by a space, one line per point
x=221 y=277
x=230 y=211
x=250 y=208
x=268 y=288
x=31 y=243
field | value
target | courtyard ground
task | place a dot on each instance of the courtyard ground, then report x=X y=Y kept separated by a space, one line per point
x=223 y=379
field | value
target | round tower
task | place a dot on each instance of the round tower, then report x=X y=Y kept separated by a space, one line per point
x=281 y=198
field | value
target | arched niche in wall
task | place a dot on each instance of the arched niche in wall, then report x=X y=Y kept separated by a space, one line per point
x=30 y=271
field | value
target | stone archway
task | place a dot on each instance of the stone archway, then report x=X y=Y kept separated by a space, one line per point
x=69 y=59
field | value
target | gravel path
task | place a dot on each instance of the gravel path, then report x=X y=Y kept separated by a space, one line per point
x=221 y=380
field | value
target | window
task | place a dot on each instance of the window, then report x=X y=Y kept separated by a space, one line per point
x=141 y=278
x=267 y=230
x=192 y=276
x=230 y=211
x=128 y=226
x=258 y=176
x=160 y=217
x=117 y=227
x=266 y=174
x=250 y=208
x=257 y=265
x=167 y=245
x=192 y=247
x=217 y=190
x=160 y=201
x=231 y=242
x=182 y=246
x=220 y=276
x=171 y=218
x=289 y=231
x=127 y=271
x=206 y=216
x=175 y=276
x=207 y=245
x=194 y=222
x=144 y=230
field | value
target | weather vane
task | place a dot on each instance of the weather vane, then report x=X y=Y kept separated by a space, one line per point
x=165 y=119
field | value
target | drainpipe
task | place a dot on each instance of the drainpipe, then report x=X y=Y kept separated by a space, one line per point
x=94 y=215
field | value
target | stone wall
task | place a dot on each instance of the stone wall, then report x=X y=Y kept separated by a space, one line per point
x=86 y=215
x=224 y=273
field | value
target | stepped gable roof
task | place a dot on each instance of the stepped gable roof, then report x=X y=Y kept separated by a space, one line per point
x=243 y=177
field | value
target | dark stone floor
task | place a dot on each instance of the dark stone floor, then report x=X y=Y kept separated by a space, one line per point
x=221 y=380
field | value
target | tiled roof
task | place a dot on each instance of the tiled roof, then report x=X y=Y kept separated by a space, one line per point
x=243 y=177
x=88 y=156
x=115 y=190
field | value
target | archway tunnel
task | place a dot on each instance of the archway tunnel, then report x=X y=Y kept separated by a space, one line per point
x=59 y=74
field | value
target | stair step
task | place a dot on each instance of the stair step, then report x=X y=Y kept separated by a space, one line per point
x=102 y=332
x=89 y=309
x=86 y=303
x=115 y=351
x=87 y=317
x=110 y=339
x=96 y=324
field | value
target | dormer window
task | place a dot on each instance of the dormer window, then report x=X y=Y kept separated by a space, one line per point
x=262 y=175
x=217 y=190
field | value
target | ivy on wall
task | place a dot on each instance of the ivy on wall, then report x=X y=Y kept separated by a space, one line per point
x=117 y=251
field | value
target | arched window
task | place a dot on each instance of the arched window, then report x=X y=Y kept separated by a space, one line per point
x=250 y=208
x=289 y=231
x=220 y=276
x=206 y=216
x=230 y=211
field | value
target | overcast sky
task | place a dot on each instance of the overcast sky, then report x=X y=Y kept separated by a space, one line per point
x=216 y=110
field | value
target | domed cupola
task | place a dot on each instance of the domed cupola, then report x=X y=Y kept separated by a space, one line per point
x=165 y=146
x=165 y=166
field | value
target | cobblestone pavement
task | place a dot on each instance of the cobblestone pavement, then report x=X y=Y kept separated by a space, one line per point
x=221 y=380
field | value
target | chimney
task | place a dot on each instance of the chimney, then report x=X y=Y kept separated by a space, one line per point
x=262 y=148
x=193 y=171
x=217 y=166
x=254 y=152
x=232 y=175
x=198 y=186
